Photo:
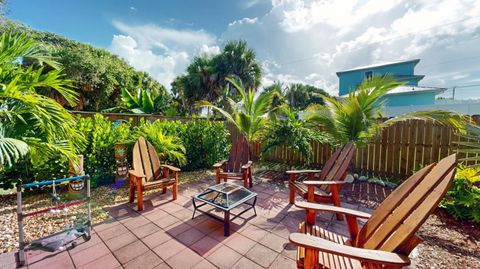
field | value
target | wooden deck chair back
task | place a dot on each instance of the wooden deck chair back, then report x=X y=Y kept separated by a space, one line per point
x=337 y=165
x=394 y=222
x=239 y=155
x=145 y=160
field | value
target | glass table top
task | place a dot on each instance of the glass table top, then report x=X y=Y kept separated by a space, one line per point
x=225 y=195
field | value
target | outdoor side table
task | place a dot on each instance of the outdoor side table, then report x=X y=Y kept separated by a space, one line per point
x=225 y=197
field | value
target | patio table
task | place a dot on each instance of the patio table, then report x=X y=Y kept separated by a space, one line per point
x=225 y=197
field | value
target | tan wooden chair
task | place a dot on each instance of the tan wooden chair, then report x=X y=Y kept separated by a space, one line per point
x=327 y=186
x=148 y=173
x=238 y=166
x=388 y=237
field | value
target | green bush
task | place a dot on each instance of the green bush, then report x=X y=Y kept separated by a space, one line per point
x=463 y=198
x=205 y=142
x=101 y=136
x=200 y=142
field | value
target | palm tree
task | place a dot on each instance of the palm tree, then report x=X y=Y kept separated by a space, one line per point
x=249 y=115
x=237 y=59
x=32 y=124
x=358 y=117
x=300 y=96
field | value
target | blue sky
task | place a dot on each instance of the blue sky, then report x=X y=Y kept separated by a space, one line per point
x=295 y=40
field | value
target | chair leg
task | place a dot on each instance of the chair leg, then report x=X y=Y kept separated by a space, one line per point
x=164 y=189
x=132 y=191
x=250 y=178
x=174 y=191
x=291 y=179
x=139 y=197
x=336 y=200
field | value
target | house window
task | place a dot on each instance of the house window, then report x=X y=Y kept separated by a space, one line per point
x=368 y=74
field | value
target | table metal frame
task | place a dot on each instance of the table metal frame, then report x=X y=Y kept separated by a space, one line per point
x=226 y=211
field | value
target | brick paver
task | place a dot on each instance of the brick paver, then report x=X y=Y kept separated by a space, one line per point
x=165 y=236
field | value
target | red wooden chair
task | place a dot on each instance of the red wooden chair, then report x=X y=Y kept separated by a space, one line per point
x=327 y=186
x=388 y=237
x=238 y=166
x=148 y=173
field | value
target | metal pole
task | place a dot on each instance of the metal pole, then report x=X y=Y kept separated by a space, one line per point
x=87 y=178
x=21 y=243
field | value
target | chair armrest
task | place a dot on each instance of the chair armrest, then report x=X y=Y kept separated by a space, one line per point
x=172 y=168
x=136 y=173
x=330 y=182
x=330 y=208
x=302 y=171
x=219 y=164
x=248 y=165
x=375 y=256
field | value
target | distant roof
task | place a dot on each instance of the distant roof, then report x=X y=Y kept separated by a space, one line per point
x=414 y=89
x=415 y=61
x=405 y=89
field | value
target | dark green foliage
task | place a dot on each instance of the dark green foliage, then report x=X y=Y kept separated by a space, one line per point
x=101 y=136
x=205 y=142
x=205 y=77
x=300 y=96
x=98 y=76
x=463 y=199
x=291 y=132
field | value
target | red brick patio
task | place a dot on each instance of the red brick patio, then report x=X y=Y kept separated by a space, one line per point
x=165 y=236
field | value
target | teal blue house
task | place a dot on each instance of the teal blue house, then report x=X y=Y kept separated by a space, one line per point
x=407 y=95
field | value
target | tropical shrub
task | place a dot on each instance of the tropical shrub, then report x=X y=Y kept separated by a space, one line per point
x=293 y=133
x=169 y=148
x=205 y=142
x=34 y=129
x=250 y=114
x=359 y=116
x=463 y=198
x=101 y=135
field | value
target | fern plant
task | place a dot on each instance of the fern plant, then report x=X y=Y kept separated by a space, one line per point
x=169 y=148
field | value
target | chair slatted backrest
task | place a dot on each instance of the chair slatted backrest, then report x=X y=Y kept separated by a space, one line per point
x=239 y=155
x=336 y=167
x=145 y=159
x=402 y=213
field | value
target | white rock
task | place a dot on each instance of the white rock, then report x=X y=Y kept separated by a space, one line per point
x=362 y=178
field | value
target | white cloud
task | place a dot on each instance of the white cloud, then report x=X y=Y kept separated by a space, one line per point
x=308 y=41
x=243 y=21
x=133 y=8
x=162 y=52
x=322 y=37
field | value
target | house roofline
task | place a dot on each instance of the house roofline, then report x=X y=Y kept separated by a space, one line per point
x=415 y=61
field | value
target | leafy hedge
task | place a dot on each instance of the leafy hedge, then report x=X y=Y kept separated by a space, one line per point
x=463 y=198
x=205 y=143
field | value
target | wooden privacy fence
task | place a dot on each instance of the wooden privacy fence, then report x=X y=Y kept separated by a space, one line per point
x=397 y=152
x=400 y=150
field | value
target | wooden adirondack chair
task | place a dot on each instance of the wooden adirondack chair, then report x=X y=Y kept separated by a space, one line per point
x=388 y=236
x=327 y=186
x=238 y=166
x=148 y=173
